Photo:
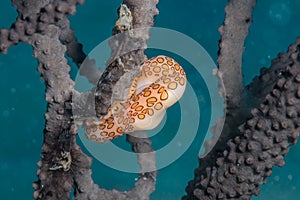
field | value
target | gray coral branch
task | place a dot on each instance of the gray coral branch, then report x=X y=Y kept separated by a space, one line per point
x=244 y=156
x=63 y=166
x=261 y=119
x=263 y=141
x=54 y=168
x=233 y=33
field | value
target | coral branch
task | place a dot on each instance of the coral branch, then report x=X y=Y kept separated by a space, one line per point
x=130 y=61
x=57 y=134
x=236 y=169
x=123 y=61
x=265 y=140
x=127 y=51
x=45 y=25
x=34 y=16
x=234 y=31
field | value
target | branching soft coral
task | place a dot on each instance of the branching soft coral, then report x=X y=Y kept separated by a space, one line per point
x=256 y=136
x=261 y=119
x=45 y=26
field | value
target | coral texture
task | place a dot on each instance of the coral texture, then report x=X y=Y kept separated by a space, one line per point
x=256 y=137
x=63 y=166
x=54 y=168
x=263 y=140
x=261 y=120
x=233 y=33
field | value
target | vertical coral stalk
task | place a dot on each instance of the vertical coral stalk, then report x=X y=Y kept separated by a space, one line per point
x=55 y=179
x=234 y=31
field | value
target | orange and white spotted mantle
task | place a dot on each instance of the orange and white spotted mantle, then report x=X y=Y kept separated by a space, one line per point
x=161 y=84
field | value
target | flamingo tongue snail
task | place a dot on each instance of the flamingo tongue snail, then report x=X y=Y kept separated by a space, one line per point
x=161 y=84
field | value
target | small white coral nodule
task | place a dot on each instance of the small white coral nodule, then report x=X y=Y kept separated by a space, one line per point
x=124 y=23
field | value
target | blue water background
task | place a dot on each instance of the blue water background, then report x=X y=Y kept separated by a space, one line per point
x=22 y=106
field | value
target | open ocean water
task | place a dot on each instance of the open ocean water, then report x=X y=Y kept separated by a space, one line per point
x=22 y=104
